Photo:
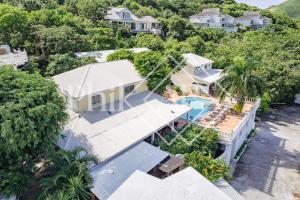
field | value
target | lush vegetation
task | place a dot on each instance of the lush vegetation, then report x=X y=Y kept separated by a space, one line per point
x=198 y=145
x=32 y=113
x=210 y=168
x=240 y=82
x=66 y=173
x=289 y=7
x=31 y=117
x=191 y=138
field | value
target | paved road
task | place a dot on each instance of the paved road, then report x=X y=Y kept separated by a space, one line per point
x=270 y=167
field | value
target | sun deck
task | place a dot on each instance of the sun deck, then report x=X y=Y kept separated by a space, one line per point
x=226 y=126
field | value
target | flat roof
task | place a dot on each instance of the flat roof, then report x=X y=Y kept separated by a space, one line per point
x=187 y=184
x=209 y=75
x=108 y=137
x=97 y=77
x=195 y=60
x=111 y=174
x=101 y=56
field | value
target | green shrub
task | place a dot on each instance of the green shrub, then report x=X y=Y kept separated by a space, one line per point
x=206 y=165
x=178 y=90
x=202 y=140
x=120 y=55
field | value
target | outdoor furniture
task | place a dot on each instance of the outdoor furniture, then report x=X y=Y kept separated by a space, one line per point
x=173 y=163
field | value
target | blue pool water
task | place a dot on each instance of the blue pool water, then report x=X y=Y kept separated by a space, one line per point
x=199 y=107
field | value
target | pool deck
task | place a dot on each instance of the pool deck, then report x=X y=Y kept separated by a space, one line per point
x=227 y=125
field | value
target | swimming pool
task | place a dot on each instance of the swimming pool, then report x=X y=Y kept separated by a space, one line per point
x=199 y=107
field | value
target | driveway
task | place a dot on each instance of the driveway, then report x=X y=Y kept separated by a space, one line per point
x=270 y=167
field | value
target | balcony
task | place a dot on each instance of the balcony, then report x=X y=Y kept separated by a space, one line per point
x=16 y=58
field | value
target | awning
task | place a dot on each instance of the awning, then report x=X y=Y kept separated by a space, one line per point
x=111 y=174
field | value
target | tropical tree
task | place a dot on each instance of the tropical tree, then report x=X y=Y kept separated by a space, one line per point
x=153 y=66
x=13 y=25
x=151 y=41
x=93 y=9
x=67 y=172
x=209 y=167
x=240 y=82
x=32 y=114
x=120 y=55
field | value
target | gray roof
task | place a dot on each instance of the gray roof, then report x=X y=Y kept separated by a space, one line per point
x=149 y=19
x=113 y=14
x=111 y=174
x=187 y=184
x=209 y=75
x=228 y=189
x=97 y=77
x=108 y=135
x=195 y=60
x=101 y=56
x=211 y=11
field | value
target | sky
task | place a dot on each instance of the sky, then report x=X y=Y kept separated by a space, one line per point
x=261 y=3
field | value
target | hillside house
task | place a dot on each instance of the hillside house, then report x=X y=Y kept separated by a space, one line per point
x=212 y=18
x=123 y=16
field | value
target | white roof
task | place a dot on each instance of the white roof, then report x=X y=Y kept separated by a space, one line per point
x=195 y=60
x=111 y=174
x=108 y=137
x=113 y=14
x=101 y=56
x=187 y=184
x=149 y=19
x=97 y=77
x=209 y=75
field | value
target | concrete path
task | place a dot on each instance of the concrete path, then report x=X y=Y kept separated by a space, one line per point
x=270 y=167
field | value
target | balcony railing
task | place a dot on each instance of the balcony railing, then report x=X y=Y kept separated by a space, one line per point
x=16 y=59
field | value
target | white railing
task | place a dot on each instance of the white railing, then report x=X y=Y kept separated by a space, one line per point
x=245 y=119
x=17 y=58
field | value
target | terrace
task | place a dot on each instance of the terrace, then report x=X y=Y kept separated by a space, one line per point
x=220 y=117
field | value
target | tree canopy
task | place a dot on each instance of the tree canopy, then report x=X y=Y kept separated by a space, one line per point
x=32 y=115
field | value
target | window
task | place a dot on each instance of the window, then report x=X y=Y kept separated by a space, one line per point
x=143 y=26
x=128 y=89
x=96 y=100
x=126 y=15
x=197 y=69
x=66 y=100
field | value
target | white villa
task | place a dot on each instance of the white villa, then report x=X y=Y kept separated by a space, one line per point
x=212 y=18
x=15 y=58
x=197 y=75
x=95 y=85
x=253 y=19
x=124 y=16
x=115 y=117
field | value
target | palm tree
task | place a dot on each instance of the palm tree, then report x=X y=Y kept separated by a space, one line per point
x=66 y=174
x=240 y=82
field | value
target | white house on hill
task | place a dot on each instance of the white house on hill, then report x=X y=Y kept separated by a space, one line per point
x=124 y=16
x=15 y=58
x=254 y=20
x=212 y=18
x=197 y=75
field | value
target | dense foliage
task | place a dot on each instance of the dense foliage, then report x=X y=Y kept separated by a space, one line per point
x=66 y=174
x=210 y=168
x=31 y=117
x=198 y=145
x=32 y=113
x=192 y=138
